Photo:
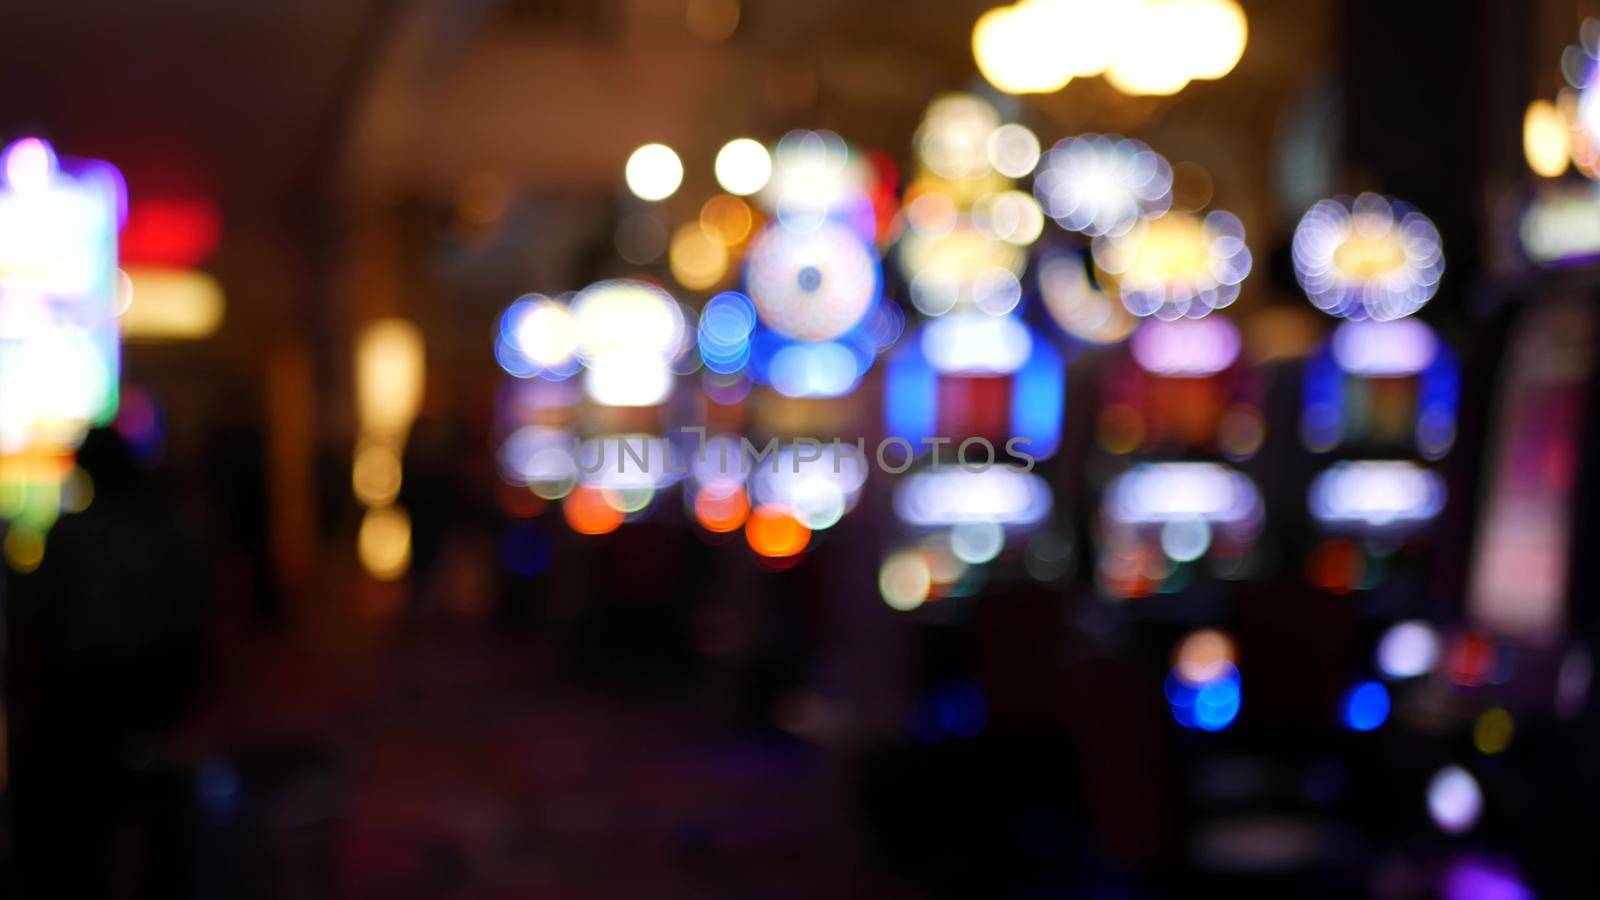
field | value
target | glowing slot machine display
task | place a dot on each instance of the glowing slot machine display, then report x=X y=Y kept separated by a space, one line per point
x=1379 y=395
x=791 y=350
x=1180 y=397
x=587 y=419
x=974 y=396
x=59 y=341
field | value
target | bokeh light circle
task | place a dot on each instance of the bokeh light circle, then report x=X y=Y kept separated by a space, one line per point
x=773 y=531
x=1176 y=266
x=1099 y=184
x=813 y=285
x=1367 y=257
x=743 y=166
x=653 y=172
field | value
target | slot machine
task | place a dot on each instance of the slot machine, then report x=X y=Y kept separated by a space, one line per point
x=974 y=395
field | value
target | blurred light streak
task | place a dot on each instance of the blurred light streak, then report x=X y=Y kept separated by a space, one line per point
x=1384 y=349
x=952 y=496
x=1186 y=348
x=1162 y=492
x=1561 y=224
x=169 y=304
x=170 y=232
x=823 y=369
x=975 y=343
x=1376 y=495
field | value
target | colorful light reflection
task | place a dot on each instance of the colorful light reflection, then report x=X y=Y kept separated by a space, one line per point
x=1367 y=257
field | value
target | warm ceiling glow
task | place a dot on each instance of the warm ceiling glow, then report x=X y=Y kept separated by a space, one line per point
x=1143 y=47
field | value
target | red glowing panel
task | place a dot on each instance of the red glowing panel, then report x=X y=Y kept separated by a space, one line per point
x=179 y=232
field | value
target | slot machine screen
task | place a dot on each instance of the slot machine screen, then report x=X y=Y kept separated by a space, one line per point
x=1518 y=585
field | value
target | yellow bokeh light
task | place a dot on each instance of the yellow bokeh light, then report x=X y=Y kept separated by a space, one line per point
x=1166 y=249
x=376 y=474
x=1366 y=257
x=167 y=304
x=904 y=580
x=389 y=376
x=384 y=542
x=1546 y=139
x=1142 y=47
x=1493 y=731
x=697 y=261
x=1015 y=51
x=727 y=220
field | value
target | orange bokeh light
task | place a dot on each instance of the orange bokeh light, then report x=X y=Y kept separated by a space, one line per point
x=588 y=512
x=721 y=511
x=773 y=532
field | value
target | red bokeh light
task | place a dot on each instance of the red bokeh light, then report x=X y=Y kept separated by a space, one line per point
x=170 y=231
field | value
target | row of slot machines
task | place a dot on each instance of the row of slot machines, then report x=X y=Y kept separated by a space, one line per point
x=1265 y=599
x=1333 y=598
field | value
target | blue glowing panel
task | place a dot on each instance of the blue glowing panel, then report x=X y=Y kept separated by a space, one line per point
x=1038 y=398
x=910 y=395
